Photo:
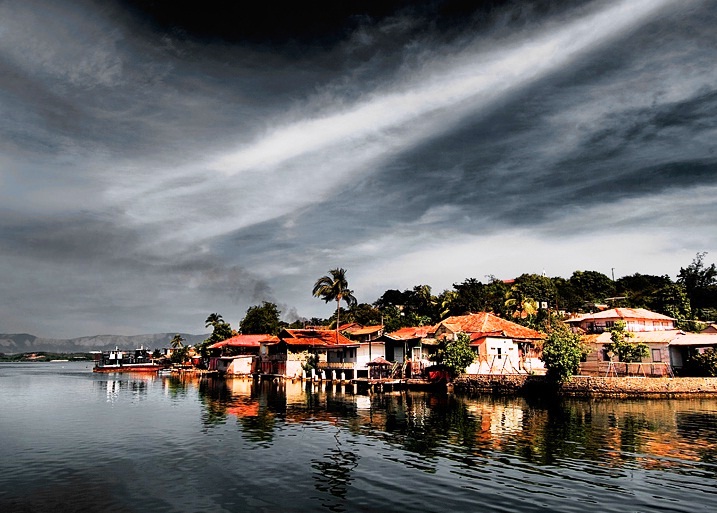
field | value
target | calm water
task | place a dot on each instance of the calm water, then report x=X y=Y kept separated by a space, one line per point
x=71 y=440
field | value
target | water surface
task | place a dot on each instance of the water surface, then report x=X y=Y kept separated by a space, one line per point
x=71 y=440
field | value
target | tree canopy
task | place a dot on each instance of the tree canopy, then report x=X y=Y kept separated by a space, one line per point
x=261 y=319
x=562 y=352
x=335 y=287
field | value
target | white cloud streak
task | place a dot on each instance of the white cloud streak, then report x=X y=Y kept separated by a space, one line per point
x=300 y=162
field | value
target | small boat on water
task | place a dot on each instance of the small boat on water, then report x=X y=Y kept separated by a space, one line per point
x=138 y=360
x=128 y=367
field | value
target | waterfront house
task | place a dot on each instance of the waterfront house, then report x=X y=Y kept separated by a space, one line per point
x=501 y=346
x=370 y=346
x=635 y=319
x=682 y=347
x=236 y=355
x=410 y=345
x=599 y=362
x=295 y=350
x=668 y=353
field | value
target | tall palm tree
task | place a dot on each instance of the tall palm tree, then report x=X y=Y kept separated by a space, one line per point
x=213 y=320
x=177 y=342
x=335 y=287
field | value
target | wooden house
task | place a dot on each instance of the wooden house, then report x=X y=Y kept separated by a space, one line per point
x=298 y=352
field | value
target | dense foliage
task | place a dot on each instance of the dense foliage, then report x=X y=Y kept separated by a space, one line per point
x=704 y=364
x=455 y=355
x=261 y=319
x=562 y=353
x=621 y=347
x=534 y=300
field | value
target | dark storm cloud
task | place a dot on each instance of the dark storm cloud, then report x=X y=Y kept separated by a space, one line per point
x=165 y=160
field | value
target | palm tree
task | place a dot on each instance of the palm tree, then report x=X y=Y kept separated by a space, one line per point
x=213 y=320
x=177 y=342
x=335 y=287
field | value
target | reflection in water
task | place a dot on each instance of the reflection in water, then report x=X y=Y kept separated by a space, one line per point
x=191 y=443
x=117 y=385
x=333 y=475
x=654 y=434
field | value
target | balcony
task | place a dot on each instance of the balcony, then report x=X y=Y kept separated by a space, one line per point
x=337 y=365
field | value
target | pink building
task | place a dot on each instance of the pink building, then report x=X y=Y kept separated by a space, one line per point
x=636 y=320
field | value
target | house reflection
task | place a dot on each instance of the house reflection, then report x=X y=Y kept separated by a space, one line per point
x=649 y=433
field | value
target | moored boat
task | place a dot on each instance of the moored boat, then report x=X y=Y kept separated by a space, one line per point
x=125 y=361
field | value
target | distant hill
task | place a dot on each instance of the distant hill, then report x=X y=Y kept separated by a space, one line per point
x=26 y=343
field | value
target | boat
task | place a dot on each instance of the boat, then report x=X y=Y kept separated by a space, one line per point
x=127 y=367
x=117 y=360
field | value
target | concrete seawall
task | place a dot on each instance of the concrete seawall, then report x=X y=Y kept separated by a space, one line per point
x=586 y=386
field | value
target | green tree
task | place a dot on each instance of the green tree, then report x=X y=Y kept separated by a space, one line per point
x=220 y=331
x=562 y=353
x=177 y=342
x=213 y=319
x=261 y=319
x=421 y=303
x=704 y=364
x=364 y=314
x=621 y=346
x=335 y=287
x=455 y=355
x=700 y=282
x=179 y=355
x=592 y=286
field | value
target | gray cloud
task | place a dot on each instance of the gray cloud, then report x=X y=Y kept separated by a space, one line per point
x=148 y=179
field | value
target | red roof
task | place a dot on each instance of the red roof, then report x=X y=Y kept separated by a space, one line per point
x=411 y=332
x=485 y=324
x=240 y=341
x=366 y=330
x=308 y=337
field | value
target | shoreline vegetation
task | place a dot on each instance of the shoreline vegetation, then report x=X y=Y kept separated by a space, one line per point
x=43 y=356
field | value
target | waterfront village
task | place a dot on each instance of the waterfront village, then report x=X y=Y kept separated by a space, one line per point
x=476 y=334
x=613 y=342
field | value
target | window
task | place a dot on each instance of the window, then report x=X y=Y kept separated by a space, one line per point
x=656 y=355
x=500 y=352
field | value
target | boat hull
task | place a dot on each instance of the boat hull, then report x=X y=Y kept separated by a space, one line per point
x=128 y=368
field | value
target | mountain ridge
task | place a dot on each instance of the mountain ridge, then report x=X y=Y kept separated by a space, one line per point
x=13 y=343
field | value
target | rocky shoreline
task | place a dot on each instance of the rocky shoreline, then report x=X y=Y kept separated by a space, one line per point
x=586 y=386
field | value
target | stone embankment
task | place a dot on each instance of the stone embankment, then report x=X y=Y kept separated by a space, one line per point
x=586 y=386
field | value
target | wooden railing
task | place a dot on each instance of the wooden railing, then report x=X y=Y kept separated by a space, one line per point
x=336 y=365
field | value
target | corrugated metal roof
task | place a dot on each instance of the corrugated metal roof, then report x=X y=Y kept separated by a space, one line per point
x=625 y=314
x=695 y=339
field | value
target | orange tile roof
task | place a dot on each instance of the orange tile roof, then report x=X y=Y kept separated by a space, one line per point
x=240 y=341
x=487 y=324
x=411 y=332
x=308 y=337
x=367 y=330
x=350 y=326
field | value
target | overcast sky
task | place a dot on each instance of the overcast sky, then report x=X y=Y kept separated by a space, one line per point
x=161 y=163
